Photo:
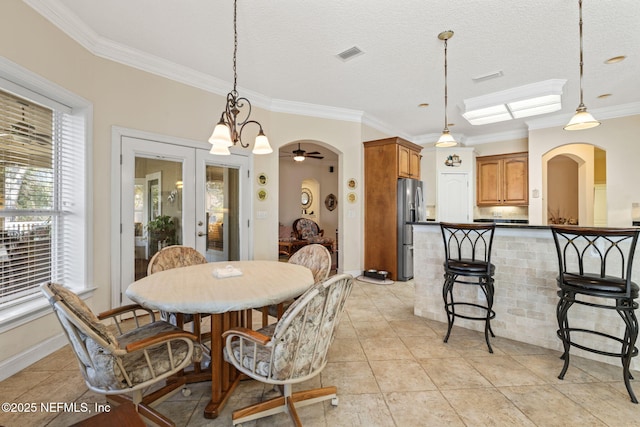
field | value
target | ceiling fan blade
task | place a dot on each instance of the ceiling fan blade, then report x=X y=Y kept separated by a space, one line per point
x=314 y=152
x=315 y=157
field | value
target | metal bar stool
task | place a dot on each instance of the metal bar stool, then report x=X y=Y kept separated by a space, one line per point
x=595 y=265
x=468 y=261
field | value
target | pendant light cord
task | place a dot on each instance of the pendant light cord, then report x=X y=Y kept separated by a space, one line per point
x=446 y=128
x=581 y=57
x=235 y=45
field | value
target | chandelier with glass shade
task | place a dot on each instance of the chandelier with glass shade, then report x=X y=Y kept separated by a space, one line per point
x=236 y=115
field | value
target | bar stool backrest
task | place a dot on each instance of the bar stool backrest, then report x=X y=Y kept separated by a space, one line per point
x=468 y=242
x=604 y=253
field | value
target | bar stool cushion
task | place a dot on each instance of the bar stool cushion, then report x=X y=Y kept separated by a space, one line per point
x=594 y=284
x=468 y=266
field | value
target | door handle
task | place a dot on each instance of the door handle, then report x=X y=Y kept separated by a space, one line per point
x=200 y=234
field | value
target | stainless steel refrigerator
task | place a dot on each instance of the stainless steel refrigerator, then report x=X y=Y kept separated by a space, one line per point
x=411 y=209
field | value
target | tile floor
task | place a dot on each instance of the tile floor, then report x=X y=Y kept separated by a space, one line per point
x=391 y=369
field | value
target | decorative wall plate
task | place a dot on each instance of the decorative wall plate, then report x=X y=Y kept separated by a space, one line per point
x=331 y=202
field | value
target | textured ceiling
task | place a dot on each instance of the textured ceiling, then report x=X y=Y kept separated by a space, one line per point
x=287 y=53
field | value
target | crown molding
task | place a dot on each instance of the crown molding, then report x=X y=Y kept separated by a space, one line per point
x=498 y=136
x=379 y=125
x=314 y=110
x=60 y=16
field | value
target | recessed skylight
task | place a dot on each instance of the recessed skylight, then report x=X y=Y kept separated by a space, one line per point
x=523 y=101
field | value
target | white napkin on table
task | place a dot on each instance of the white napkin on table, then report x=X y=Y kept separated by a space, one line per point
x=228 y=271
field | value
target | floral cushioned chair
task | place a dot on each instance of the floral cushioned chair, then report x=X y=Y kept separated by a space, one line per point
x=176 y=256
x=306 y=229
x=130 y=362
x=317 y=259
x=295 y=352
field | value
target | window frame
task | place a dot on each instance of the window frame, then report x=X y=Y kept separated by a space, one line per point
x=24 y=83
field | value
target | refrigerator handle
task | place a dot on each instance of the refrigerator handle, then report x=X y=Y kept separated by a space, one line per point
x=420 y=212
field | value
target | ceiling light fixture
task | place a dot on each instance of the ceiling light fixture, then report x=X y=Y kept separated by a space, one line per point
x=615 y=59
x=229 y=129
x=446 y=139
x=515 y=103
x=582 y=119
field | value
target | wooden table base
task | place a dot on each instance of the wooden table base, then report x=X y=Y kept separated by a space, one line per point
x=224 y=377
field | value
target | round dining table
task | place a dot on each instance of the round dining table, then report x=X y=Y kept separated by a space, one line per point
x=227 y=290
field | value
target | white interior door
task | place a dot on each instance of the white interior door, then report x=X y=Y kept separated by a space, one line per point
x=454 y=200
x=160 y=180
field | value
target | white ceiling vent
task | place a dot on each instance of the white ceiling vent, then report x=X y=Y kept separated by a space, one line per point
x=350 y=53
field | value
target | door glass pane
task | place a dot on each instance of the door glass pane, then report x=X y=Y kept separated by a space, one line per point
x=157 y=209
x=222 y=213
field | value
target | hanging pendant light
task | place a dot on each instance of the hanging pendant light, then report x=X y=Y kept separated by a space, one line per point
x=446 y=139
x=582 y=119
x=228 y=131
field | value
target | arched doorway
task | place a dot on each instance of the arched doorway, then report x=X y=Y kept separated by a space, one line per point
x=574 y=176
x=318 y=175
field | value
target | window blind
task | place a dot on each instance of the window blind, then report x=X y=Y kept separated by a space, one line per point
x=37 y=162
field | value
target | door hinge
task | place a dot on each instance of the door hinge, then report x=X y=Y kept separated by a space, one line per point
x=248 y=174
x=120 y=228
x=248 y=223
x=120 y=158
x=120 y=298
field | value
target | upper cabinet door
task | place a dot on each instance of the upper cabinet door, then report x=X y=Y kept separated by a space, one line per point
x=503 y=180
x=489 y=182
x=516 y=181
x=404 y=162
x=408 y=163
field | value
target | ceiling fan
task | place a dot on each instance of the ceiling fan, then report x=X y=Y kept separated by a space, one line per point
x=299 y=155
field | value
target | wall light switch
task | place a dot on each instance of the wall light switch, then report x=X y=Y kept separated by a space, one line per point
x=261 y=214
x=535 y=193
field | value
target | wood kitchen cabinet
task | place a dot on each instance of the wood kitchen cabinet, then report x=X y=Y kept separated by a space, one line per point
x=408 y=162
x=385 y=160
x=502 y=180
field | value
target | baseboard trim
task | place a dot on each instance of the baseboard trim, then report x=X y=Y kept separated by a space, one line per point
x=28 y=357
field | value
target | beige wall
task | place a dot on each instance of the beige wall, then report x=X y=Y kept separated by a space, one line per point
x=341 y=137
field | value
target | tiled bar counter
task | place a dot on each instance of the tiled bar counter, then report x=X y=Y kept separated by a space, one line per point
x=525 y=290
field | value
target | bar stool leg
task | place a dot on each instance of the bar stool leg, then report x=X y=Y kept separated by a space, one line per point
x=629 y=349
x=487 y=288
x=447 y=296
x=566 y=301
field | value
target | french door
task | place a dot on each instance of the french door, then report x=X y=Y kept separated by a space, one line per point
x=175 y=194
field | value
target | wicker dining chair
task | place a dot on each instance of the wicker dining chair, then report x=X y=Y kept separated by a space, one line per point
x=291 y=351
x=120 y=362
x=317 y=259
